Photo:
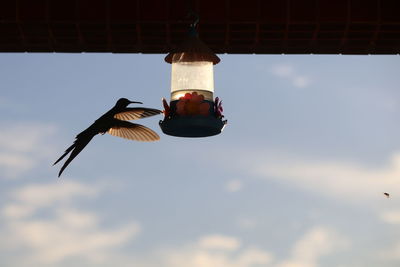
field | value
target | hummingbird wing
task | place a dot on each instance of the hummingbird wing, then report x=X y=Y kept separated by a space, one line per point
x=136 y=113
x=133 y=131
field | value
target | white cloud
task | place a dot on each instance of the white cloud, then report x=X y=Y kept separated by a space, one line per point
x=14 y=164
x=214 y=251
x=288 y=72
x=211 y=255
x=30 y=198
x=301 y=81
x=76 y=234
x=316 y=243
x=14 y=210
x=283 y=70
x=391 y=217
x=341 y=180
x=54 y=240
x=247 y=223
x=254 y=256
x=219 y=242
x=391 y=254
x=23 y=146
x=65 y=233
x=233 y=186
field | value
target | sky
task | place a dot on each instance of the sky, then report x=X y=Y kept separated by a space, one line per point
x=296 y=179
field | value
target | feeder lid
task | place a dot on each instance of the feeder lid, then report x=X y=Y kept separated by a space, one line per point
x=191 y=50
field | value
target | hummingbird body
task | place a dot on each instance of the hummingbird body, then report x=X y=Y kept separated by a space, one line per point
x=115 y=122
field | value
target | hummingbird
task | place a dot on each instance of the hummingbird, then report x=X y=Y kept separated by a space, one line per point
x=114 y=122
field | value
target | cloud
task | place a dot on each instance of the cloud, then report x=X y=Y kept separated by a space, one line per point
x=15 y=164
x=391 y=217
x=219 y=242
x=233 y=186
x=70 y=234
x=23 y=146
x=214 y=251
x=65 y=232
x=338 y=179
x=316 y=243
x=283 y=70
x=391 y=254
x=247 y=223
x=300 y=81
x=228 y=251
x=288 y=72
x=28 y=199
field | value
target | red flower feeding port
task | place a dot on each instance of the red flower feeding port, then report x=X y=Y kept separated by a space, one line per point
x=192 y=111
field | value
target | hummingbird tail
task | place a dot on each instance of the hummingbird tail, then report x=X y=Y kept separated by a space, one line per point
x=65 y=153
x=76 y=148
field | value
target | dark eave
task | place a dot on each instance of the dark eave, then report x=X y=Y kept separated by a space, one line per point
x=236 y=26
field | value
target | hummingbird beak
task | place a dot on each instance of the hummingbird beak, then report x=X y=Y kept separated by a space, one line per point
x=134 y=102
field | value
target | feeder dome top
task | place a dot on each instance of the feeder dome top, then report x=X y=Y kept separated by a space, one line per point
x=191 y=50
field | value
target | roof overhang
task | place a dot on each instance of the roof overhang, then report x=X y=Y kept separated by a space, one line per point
x=235 y=26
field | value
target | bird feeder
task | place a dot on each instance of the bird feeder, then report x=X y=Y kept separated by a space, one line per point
x=192 y=110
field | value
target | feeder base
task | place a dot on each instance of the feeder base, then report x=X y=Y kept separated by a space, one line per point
x=192 y=126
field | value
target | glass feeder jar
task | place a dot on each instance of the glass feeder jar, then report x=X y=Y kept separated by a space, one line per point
x=189 y=77
x=192 y=111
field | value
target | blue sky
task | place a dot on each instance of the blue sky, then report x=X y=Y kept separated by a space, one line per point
x=295 y=180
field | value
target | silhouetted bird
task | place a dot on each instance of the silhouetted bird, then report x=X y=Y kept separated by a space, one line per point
x=386 y=194
x=114 y=122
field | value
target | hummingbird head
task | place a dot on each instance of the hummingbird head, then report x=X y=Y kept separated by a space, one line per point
x=123 y=102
